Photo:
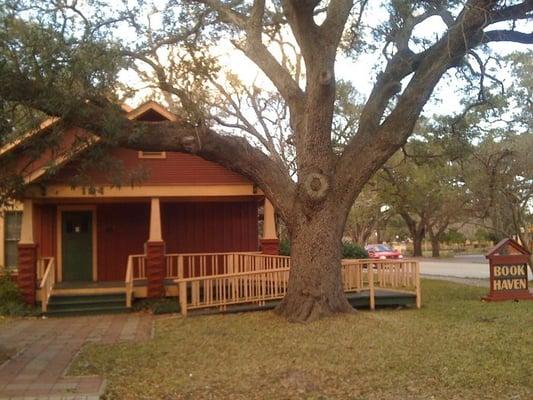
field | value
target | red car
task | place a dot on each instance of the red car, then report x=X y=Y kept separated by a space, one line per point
x=382 y=252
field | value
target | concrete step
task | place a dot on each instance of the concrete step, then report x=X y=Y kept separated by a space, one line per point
x=85 y=299
x=90 y=304
x=87 y=311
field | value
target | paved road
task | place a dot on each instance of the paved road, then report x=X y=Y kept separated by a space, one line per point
x=470 y=266
x=471 y=258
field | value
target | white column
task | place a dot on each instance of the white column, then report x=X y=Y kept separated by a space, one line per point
x=26 y=229
x=155 y=221
x=269 y=221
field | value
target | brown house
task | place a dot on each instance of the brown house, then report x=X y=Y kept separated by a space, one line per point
x=87 y=239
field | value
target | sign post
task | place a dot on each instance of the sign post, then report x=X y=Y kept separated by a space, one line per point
x=508 y=272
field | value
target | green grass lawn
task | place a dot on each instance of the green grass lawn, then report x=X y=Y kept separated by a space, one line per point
x=455 y=347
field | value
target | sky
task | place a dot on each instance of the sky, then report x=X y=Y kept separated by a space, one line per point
x=361 y=72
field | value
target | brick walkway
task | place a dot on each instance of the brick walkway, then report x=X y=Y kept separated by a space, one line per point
x=46 y=348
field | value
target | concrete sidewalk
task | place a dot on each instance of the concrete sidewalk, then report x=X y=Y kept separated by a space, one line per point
x=47 y=347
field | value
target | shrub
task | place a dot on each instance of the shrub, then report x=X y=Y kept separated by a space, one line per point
x=158 y=306
x=352 y=250
x=349 y=250
x=453 y=236
x=11 y=303
x=284 y=247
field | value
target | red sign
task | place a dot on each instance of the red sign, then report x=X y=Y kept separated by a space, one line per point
x=508 y=272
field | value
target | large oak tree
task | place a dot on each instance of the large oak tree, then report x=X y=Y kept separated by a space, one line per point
x=63 y=59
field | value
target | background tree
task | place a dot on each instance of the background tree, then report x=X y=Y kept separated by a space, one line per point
x=495 y=151
x=421 y=184
x=500 y=178
x=368 y=214
x=64 y=59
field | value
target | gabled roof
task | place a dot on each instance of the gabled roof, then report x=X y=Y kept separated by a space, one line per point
x=42 y=126
x=137 y=113
x=132 y=113
x=152 y=106
x=506 y=243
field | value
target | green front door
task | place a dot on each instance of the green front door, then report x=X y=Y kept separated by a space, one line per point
x=77 y=246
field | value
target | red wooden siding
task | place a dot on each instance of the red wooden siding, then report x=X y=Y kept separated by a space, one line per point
x=175 y=169
x=188 y=227
x=210 y=227
x=45 y=233
x=122 y=230
x=28 y=163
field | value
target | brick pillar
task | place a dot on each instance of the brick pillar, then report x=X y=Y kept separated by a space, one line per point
x=27 y=271
x=155 y=253
x=27 y=268
x=270 y=241
x=155 y=268
x=270 y=246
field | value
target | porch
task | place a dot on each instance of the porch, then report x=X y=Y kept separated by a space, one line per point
x=90 y=242
x=234 y=282
x=200 y=280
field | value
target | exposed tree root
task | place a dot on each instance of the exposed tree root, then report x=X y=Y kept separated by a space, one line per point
x=305 y=308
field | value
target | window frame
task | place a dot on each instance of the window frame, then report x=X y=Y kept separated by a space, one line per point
x=8 y=241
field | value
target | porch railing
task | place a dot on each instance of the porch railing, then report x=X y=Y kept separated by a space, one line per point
x=220 y=291
x=220 y=279
x=207 y=264
x=246 y=283
x=41 y=266
x=128 y=281
x=393 y=275
x=137 y=263
x=48 y=281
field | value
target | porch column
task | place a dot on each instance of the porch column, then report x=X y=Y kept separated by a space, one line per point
x=270 y=241
x=155 y=253
x=27 y=249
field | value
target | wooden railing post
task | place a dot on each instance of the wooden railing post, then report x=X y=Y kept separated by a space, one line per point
x=47 y=283
x=417 y=285
x=182 y=288
x=129 y=282
x=370 y=272
x=180 y=267
x=40 y=269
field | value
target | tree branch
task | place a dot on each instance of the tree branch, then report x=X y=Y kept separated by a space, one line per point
x=109 y=122
x=256 y=51
x=375 y=142
x=507 y=36
x=333 y=27
x=517 y=11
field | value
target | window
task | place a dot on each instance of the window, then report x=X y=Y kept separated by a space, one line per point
x=152 y=154
x=12 y=220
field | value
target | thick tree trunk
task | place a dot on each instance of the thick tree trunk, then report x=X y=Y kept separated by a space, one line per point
x=435 y=247
x=417 y=245
x=315 y=286
x=417 y=231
